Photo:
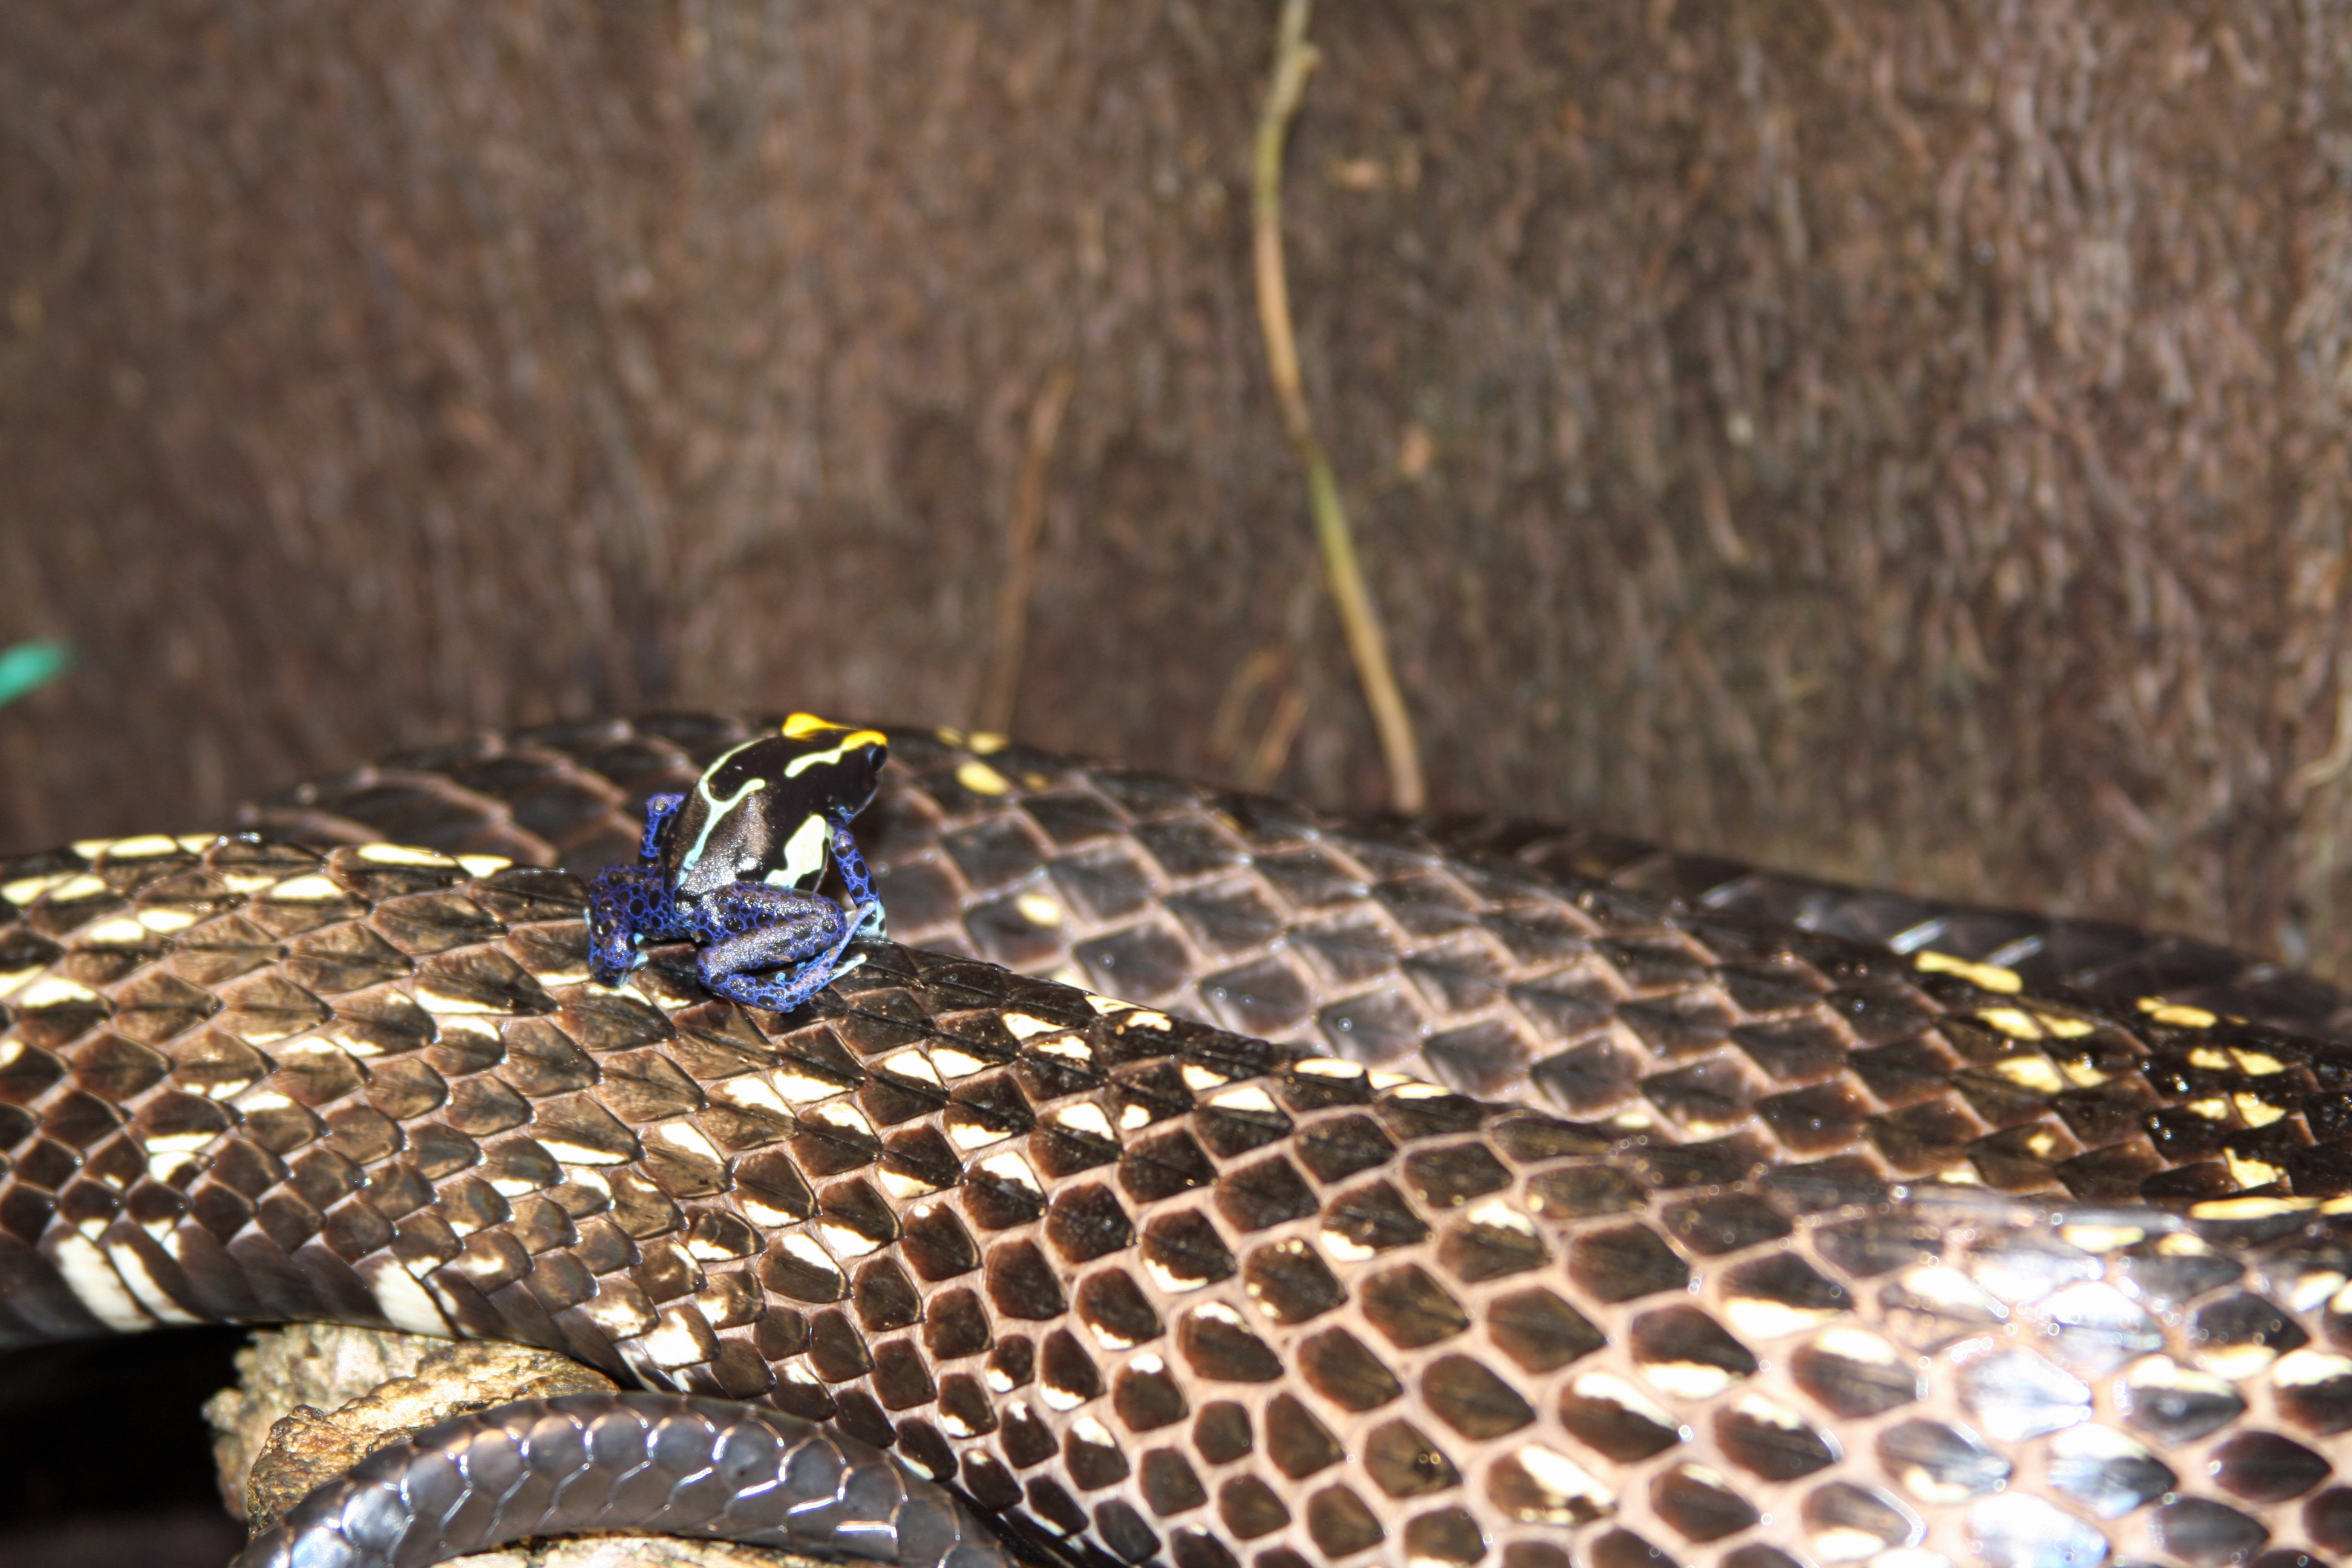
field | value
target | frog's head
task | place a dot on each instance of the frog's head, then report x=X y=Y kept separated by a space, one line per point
x=818 y=758
x=765 y=810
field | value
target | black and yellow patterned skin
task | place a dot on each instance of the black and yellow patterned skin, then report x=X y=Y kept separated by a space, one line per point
x=733 y=865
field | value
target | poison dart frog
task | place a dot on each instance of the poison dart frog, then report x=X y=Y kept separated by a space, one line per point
x=734 y=865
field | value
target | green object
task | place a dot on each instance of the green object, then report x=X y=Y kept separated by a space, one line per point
x=32 y=665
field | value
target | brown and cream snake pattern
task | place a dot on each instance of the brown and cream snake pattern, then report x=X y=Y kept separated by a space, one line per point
x=1483 y=1215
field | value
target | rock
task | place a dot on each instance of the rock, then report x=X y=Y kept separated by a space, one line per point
x=312 y=1400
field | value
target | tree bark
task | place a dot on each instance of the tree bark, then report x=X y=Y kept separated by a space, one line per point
x=1900 y=440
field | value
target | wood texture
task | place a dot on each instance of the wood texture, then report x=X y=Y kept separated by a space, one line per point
x=1900 y=440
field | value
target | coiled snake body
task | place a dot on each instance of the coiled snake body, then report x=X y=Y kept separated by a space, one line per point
x=1495 y=1218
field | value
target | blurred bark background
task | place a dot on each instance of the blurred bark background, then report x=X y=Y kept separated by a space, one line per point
x=1902 y=439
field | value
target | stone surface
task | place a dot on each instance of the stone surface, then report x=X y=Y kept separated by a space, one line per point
x=313 y=1400
x=316 y=1400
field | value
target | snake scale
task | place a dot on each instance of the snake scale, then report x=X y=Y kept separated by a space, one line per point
x=1420 y=1199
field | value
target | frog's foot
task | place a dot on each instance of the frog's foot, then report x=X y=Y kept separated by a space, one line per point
x=626 y=903
x=659 y=809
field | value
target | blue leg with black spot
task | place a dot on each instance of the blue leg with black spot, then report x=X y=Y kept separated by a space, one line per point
x=749 y=926
x=659 y=809
x=626 y=903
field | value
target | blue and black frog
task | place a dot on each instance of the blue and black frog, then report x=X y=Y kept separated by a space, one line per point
x=734 y=866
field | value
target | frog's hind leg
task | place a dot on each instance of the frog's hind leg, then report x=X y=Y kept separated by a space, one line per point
x=625 y=903
x=748 y=926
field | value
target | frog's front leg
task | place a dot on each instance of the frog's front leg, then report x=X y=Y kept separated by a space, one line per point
x=863 y=902
x=748 y=926
x=626 y=903
x=659 y=809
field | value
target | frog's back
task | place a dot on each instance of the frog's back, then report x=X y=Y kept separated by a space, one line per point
x=765 y=810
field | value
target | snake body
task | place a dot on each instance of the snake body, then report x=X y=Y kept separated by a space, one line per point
x=1495 y=1218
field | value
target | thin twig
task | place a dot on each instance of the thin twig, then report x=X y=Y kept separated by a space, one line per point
x=1262 y=669
x=2329 y=767
x=1293 y=58
x=1021 y=573
x=1272 y=753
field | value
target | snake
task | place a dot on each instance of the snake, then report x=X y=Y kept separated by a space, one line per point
x=1200 y=1180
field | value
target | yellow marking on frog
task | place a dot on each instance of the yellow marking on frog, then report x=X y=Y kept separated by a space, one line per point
x=718 y=809
x=983 y=742
x=1988 y=976
x=800 y=765
x=2211 y=1059
x=2031 y=1072
x=800 y=726
x=2257 y=1113
x=2256 y=1064
x=2015 y=1022
x=981 y=778
x=803 y=853
x=1038 y=909
x=404 y=855
x=2186 y=1017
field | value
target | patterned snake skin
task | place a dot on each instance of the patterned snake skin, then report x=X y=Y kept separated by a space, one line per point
x=1845 y=1255
x=1150 y=898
